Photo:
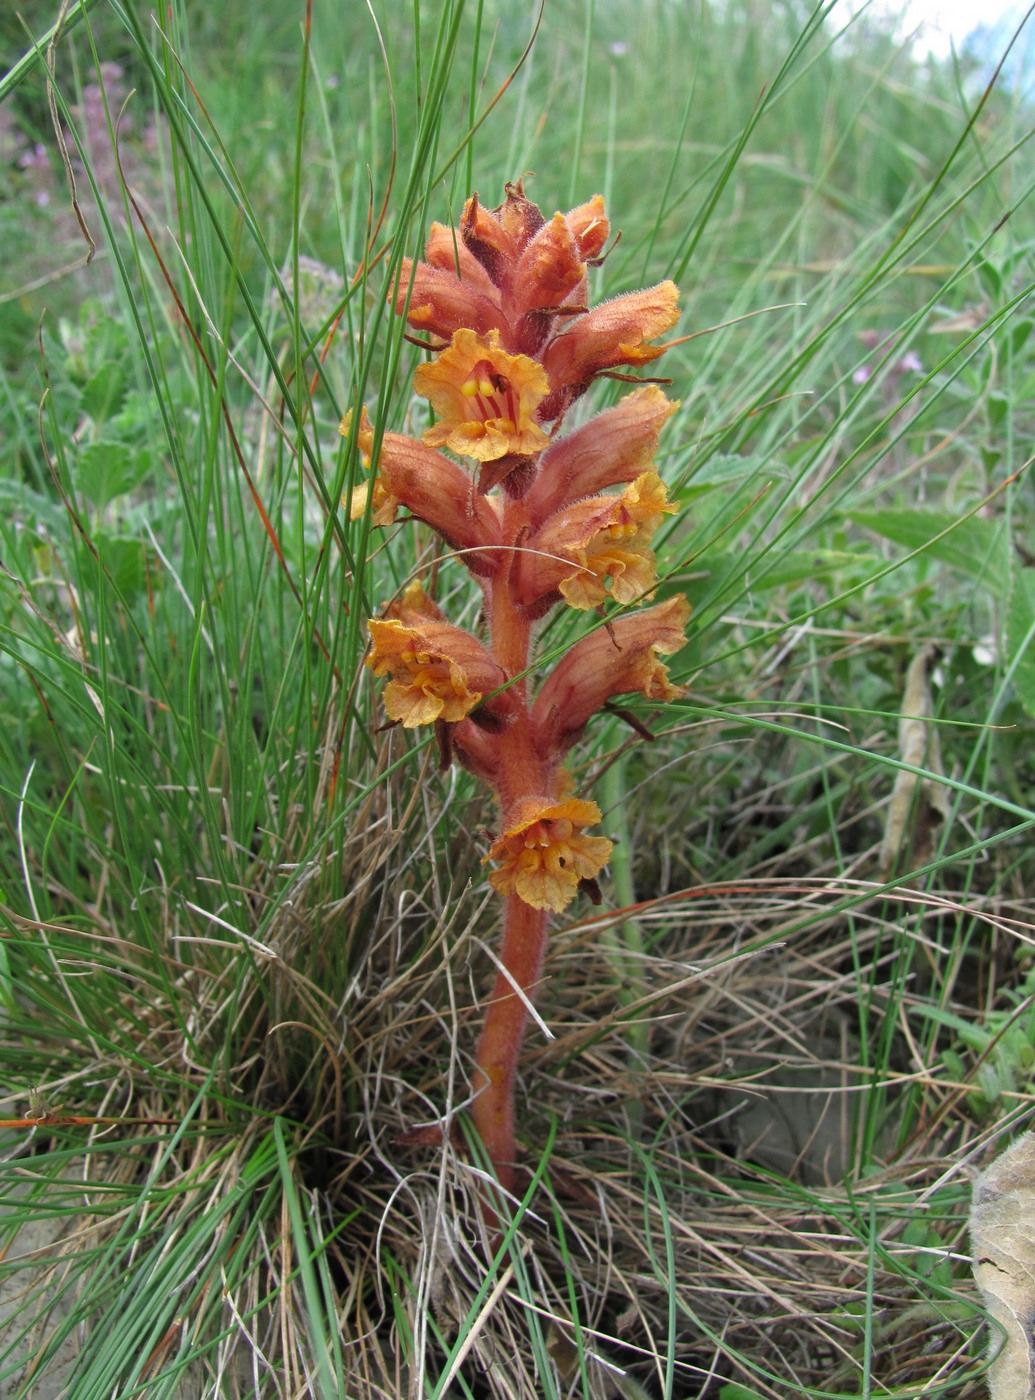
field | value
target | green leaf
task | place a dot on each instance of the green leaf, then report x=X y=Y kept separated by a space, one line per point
x=735 y=1391
x=990 y=277
x=109 y=469
x=973 y=1036
x=125 y=561
x=974 y=546
x=104 y=392
x=20 y=502
x=1020 y=636
x=795 y=567
x=1020 y=333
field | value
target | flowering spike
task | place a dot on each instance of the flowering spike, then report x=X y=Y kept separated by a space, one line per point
x=539 y=519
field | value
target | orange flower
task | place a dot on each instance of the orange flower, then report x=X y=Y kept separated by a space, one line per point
x=446 y=249
x=543 y=855
x=484 y=397
x=619 y=659
x=595 y=548
x=439 y=672
x=507 y=269
x=535 y=262
x=590 y=226
x=616 y=446
x=549 y=279
x=414 y=605
x=497 y=236
x=448 y=290
x=433 y=489
x=614 y=333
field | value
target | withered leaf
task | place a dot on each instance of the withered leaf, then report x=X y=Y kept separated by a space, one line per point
x=919 y=807
x=1002 y=1233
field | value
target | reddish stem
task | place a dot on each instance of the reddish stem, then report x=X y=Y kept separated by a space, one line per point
x=524 y=946
x=523 y=771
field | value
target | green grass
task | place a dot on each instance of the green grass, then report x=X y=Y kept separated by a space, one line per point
x=249 y=922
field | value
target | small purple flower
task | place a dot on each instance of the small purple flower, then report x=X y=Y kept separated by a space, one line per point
x=909 y=363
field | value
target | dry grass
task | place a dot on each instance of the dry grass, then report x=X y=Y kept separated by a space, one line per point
x=750 y=1267
x=688 y=1214
x=745 y=1161
x=760 y=1194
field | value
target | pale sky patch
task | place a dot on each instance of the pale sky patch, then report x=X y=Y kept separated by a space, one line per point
x=934 y=26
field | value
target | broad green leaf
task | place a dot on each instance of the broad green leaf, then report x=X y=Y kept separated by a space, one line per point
x=976 y=1037
x=109 y=469
x=807 y=564
x=791 y=568
x=975 y=547
x=725 y=468
x=104 y=391
x=124 y=559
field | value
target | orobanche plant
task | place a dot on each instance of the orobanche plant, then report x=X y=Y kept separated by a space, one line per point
x=541 y=520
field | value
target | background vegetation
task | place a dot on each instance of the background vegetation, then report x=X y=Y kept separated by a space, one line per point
x=244 y=930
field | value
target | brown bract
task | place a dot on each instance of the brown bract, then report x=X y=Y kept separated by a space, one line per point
x=497 y=237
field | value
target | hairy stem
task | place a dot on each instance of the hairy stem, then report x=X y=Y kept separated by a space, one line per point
x=524 y=946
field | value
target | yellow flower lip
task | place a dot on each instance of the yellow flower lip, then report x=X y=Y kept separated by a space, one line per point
x=544 y=857
x=439 y=672
x=485 y=398
x=596 y=547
